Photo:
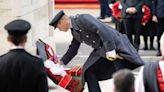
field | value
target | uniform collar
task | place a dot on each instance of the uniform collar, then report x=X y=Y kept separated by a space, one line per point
x=16 y=47
x=73 y=23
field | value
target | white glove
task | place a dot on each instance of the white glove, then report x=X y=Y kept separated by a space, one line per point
x=50 y=64
x=58 y=71
x=111 y=55
x=55 y=68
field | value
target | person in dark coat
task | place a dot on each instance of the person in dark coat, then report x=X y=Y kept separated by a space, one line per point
x=116 y=12
x=148 y=30
x=19 y=70
x=158 y=17
x=111 y=50
x=132 y=15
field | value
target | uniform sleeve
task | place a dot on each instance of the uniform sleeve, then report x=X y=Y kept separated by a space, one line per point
x=139 y=5
x=154 y=7
x=42 y=79
x=105 y=32
x=123 y=4
x=71 y=52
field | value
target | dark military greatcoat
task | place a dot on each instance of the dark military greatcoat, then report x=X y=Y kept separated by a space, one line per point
x=102 y=38
x=22 y=72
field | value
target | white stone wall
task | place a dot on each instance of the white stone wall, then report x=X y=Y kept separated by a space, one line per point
x=37 y=12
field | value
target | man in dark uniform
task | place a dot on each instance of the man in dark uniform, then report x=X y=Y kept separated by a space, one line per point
x=158 y=17
x=20 y=71
x=132 y=15
x=112 y=50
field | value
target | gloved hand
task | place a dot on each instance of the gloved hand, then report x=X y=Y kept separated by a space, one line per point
x=58 y=71
x=55 y=68
x=111 y=55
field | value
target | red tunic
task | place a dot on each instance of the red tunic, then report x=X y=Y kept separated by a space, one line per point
x=160 y=79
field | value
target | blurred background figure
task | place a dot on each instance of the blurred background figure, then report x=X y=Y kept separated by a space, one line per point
x=116 y=13
x=123 y=81
x=162 y=45
x=148 y=29
x=105 y=11
x=150 y=77
x=132 y=15
x=158 y=17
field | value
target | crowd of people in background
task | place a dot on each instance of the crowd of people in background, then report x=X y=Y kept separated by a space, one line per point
x=137 y=18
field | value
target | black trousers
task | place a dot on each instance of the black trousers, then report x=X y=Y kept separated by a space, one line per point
x=160 y=30
x=103 y=70
x=93 y=85
x=120 y=27
x=148 y=30
x=132 y=26
x=104 y=8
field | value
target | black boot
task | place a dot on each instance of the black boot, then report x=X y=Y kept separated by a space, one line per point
x=145 y=48
x=152 y=48
x=158 y=53
x=151 y=43
x=145 y=42
x=100 y=17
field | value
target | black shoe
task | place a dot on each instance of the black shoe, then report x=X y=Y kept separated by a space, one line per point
x=145 y=48
x=100 y=17
x=152 y=48
x=158 y=53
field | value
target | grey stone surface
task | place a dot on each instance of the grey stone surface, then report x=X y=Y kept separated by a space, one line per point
x=34 y=11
